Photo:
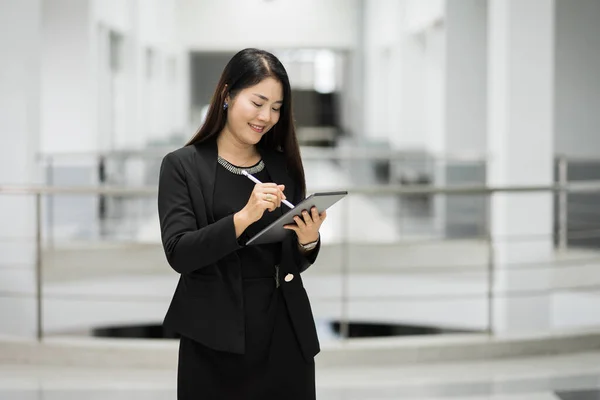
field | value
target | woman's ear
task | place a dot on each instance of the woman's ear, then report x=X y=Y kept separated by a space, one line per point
x=225 y=93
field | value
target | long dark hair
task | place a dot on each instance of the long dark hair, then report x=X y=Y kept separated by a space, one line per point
x=248 y=68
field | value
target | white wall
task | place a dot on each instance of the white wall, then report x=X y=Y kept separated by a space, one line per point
x=465 y=76
x=442 y=65
x=401 y=73
x=412 y=131
x=382 y=33
x=520 y=143
x=67 y=83
x=420 y=69
x=577 y=57
x=114 y=13
x=352 y=86
x=20 y=46
x=435 y=87
x=422 y=14
x=351 y=89
x=146 y=106
x=230 y=25
x=86 y=106
x=162 y=96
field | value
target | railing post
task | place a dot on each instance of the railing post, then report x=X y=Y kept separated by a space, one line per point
x=562 y=203
x=50 y=200
x=345 y=248
x=490 y=265
x=102 y=198
x=38 y=267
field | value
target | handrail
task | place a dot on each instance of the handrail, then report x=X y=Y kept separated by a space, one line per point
x=155 y=152
x=320 y=153
x=577 y=158
x=54 y=190
x=317 y=153
x=572 y=187
x=308 y=153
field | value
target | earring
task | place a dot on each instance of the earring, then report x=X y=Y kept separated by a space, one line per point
x=225 y=105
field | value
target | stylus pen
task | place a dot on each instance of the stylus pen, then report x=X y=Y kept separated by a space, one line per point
x=253 y=179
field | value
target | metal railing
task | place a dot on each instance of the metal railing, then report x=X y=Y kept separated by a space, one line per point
x=425 y=167
x=114 y=168
x=308 y=153
x=346 y=244
x=570 y=209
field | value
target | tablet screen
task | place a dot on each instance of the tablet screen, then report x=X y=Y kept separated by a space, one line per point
x=276 y=232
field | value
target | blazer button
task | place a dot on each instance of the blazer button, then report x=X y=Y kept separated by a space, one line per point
x=289 y=277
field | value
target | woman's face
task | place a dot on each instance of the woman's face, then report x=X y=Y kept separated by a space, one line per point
x=254 y=111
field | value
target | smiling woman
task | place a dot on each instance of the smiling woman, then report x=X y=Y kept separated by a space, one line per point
x=252 y=113
x=246 y=325
x=259 y=79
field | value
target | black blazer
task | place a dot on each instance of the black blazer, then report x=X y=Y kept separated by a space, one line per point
x=207 y=305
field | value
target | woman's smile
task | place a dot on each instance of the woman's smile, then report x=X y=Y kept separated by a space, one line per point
x=257 y=128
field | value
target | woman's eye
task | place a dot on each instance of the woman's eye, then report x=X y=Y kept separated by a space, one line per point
x=256 y=104
x=276 y=109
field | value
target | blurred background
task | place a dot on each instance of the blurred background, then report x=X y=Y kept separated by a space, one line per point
x=467 y=133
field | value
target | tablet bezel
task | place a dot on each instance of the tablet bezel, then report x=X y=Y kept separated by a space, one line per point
x=275 y=232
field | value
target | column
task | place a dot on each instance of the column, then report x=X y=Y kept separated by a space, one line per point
x=465 y=116
x=20 y=42
x=520 y=144
x=381 y=41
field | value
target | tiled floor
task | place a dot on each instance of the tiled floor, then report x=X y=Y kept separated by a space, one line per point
x=572 y=377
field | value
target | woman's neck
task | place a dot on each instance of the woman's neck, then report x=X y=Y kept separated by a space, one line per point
x=235 y=152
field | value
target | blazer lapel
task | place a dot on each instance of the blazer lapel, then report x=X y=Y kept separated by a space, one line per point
x=206 y=161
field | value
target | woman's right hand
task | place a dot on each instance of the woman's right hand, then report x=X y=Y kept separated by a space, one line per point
x=264 y=196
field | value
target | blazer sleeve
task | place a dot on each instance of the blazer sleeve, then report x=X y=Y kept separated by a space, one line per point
x=187 y=247
x=304 y=261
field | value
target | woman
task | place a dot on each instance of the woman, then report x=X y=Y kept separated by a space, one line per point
x=246 y=325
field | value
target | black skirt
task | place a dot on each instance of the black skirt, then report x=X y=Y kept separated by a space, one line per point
x=273 y=366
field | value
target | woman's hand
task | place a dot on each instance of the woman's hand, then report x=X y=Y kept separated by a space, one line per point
x=264 y=196
x=307 y=227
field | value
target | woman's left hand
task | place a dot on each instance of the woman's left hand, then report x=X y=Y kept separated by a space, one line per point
x=307 y=227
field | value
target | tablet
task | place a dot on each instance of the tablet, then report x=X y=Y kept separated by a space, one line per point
x=275 y=232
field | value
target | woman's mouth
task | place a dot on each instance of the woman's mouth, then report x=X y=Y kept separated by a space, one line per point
x=257 y=128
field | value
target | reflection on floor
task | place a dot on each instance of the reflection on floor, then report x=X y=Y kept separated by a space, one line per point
x=567 y=377
x=580 y=395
